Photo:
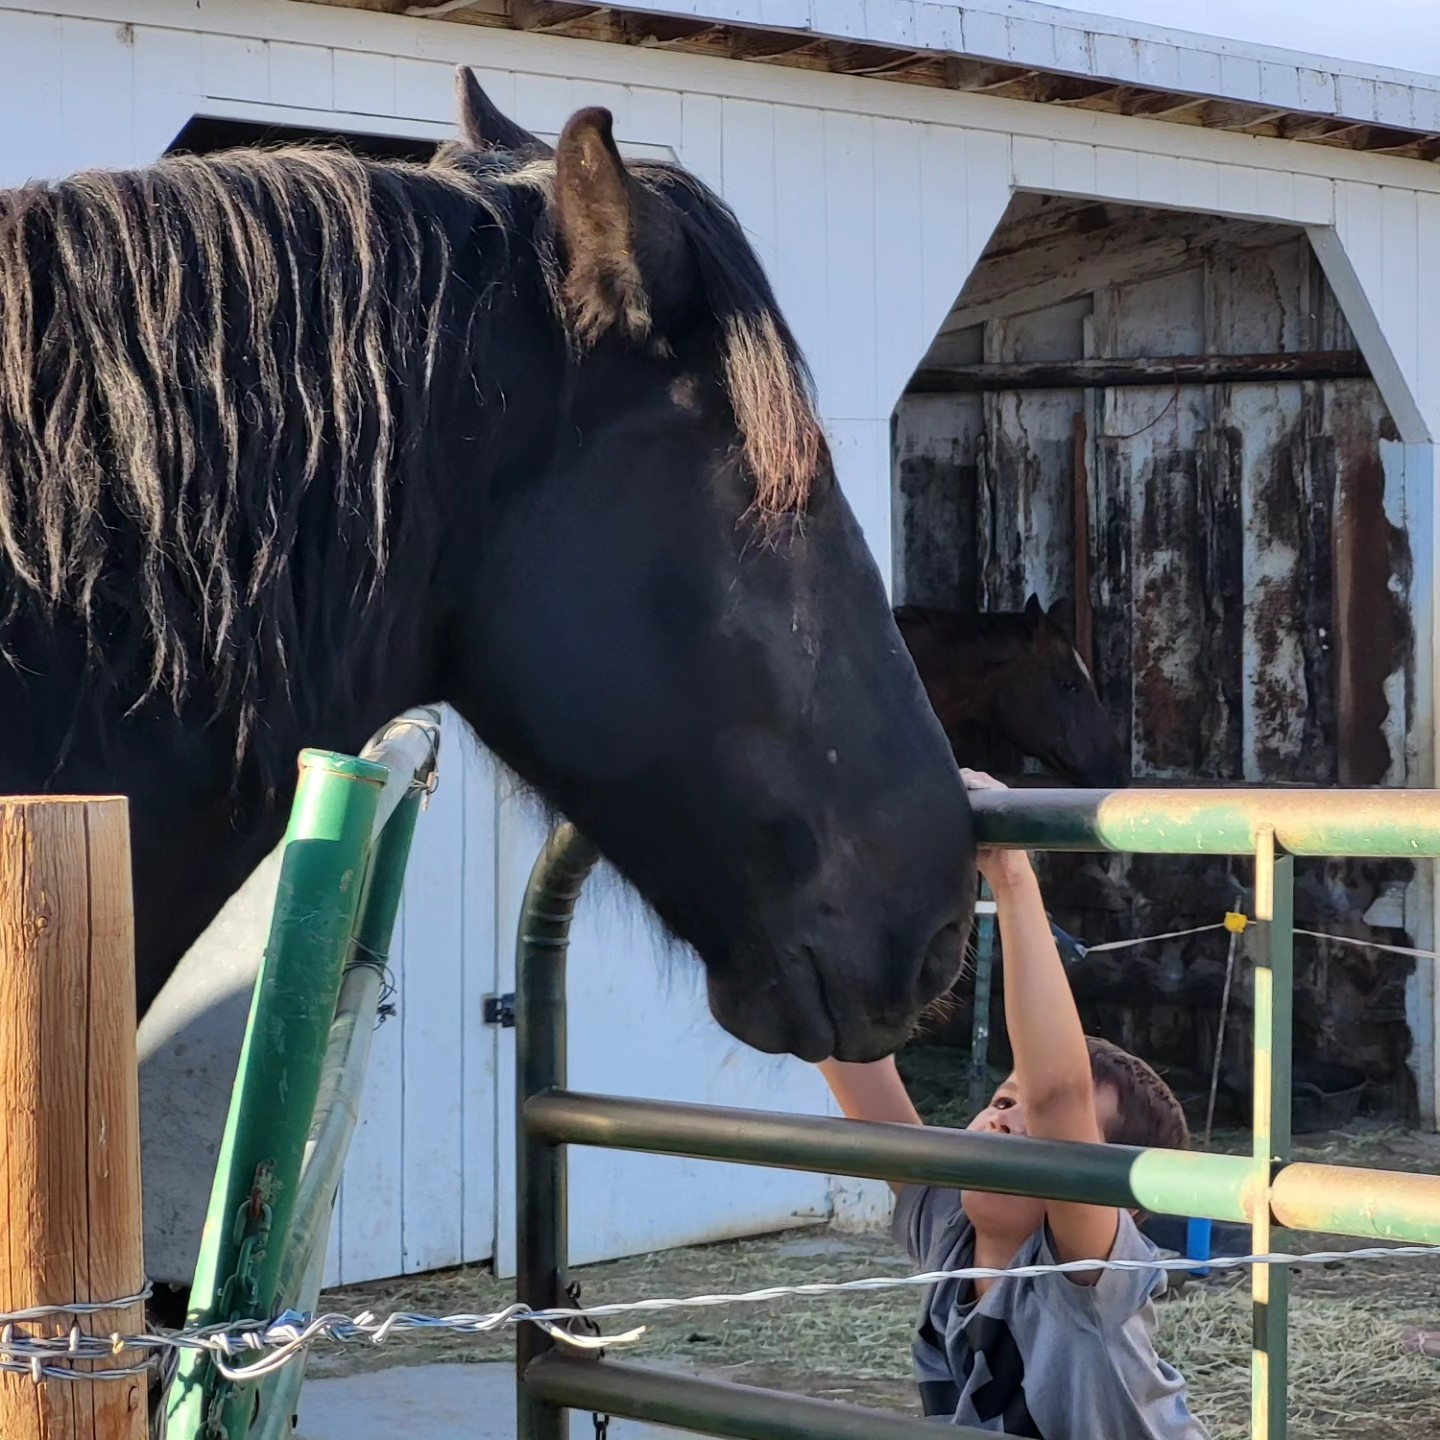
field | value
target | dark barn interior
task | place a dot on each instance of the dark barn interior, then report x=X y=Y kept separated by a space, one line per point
x=1161 y=420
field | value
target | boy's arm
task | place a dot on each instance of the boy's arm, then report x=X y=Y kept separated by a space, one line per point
x=870 y=1092
x=1052 y=1061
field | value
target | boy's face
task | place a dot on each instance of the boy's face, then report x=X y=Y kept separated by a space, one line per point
x=1005 y=1114
x=1019 y=1216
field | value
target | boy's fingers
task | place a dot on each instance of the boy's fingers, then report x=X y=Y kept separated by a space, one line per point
x=979 y=780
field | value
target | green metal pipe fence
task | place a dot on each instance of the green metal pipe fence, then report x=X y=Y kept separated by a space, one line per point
x=714 y=1407
x=1265 y=1190
x=297 y=1086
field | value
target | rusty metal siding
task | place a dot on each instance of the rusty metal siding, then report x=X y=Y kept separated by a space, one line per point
x=1029 y=435
x=1248 y=575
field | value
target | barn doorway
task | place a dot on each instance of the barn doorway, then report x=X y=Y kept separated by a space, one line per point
x=1159 y=423
x=204 y=135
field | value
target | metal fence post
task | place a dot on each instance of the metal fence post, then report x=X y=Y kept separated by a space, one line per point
x=980 y=1019
x=1273 y=1008
x=542 y=1224
x=337 y=1108
x=257 y=1173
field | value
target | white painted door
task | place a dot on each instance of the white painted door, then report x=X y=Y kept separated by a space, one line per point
x=419 y=1187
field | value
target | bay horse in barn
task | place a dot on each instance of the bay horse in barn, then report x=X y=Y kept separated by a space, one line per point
x=291 y=441
x=1011 y=684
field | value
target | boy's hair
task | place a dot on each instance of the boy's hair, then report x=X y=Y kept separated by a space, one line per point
x=1147 y=1112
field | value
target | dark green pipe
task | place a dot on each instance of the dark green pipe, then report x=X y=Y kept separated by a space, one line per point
x=542 y=1226
x=1170 y=1182
x=1335 y=1199
x=715 y=1407
x=1381 y=822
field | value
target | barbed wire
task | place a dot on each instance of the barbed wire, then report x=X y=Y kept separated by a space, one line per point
x=288 y=1336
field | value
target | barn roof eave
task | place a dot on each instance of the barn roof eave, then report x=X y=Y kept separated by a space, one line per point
x=1014 y=49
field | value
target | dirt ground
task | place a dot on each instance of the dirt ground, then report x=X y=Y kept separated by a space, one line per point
x=1356 y=1366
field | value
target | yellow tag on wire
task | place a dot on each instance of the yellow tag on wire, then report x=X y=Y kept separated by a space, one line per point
x=1235 y=922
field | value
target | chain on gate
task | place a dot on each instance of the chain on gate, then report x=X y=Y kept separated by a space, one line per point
x=586 y=1326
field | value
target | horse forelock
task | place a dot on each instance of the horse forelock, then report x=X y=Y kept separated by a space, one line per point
x=771 y=390
x=767 y=381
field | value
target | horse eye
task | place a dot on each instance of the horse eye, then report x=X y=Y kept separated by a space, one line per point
x=1069 y=686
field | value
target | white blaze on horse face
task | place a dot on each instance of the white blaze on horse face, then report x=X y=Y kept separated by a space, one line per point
x=1084 y=668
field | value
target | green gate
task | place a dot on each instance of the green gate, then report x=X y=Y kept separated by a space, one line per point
x=1266 y=1191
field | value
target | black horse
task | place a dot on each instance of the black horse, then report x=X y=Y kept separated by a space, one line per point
x=290 y=441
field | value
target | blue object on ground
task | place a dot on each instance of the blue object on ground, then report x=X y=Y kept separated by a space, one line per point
x=1197 y=1241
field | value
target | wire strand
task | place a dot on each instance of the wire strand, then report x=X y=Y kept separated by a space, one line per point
x=280 y=1341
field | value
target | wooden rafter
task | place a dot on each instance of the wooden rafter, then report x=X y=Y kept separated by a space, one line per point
x=1383 y=139
x=1159 y=104
x=768 y=45
x=1142 y=370
x=663 y=31
x=549 y=15
x=980 y=76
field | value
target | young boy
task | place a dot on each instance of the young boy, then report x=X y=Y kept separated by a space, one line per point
x=1059 y=1357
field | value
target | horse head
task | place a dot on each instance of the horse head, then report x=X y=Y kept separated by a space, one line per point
x=672 y=627
x=1019 y=678
x=1050 y=706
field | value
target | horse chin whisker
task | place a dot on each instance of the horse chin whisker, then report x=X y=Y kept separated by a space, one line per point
x=935 y=1016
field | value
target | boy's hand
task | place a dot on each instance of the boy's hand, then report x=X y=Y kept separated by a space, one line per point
x=1001 y=868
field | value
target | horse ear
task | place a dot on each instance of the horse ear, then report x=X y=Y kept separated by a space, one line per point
x=621 y=241
x=1034 y=613
x=482 y=125
x=1062 y=615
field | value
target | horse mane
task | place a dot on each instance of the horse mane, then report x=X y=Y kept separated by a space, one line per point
x=189 y=350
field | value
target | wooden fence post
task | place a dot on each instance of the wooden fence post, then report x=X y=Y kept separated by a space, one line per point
x=69 y=1106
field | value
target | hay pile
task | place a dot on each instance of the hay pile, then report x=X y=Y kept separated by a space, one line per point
x=1352 y=1369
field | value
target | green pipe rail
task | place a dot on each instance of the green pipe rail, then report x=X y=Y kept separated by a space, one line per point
x=1265 y=1190
x=1392 y=824
x=296 y=1093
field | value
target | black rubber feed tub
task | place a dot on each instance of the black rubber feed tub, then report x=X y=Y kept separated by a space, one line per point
x=1323 y=1095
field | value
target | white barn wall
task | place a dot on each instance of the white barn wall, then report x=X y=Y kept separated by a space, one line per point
x=869 y=203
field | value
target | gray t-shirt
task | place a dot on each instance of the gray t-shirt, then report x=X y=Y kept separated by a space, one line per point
x=1043 y=1357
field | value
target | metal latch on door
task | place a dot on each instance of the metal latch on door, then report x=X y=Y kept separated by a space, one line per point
x=499 y=1010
